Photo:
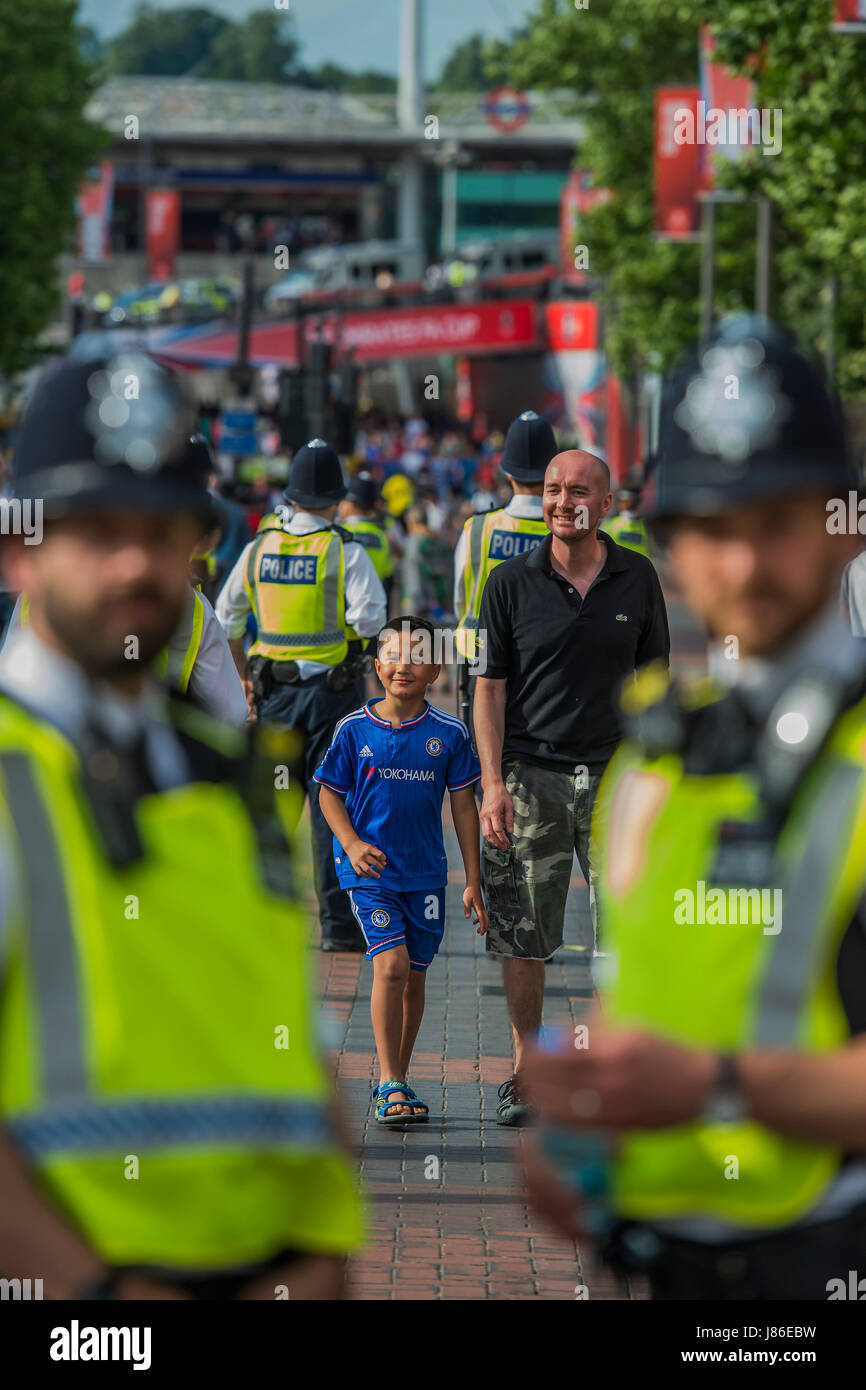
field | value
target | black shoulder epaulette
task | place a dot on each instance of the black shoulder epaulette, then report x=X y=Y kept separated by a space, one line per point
x=344 y=534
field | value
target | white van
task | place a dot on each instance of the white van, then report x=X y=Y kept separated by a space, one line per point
x=512 y=254
x=368 y=265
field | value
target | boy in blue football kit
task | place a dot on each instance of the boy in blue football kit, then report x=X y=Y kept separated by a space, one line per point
x=383 y=781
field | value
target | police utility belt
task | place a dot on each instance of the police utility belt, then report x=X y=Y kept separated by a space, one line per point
x=267 y=673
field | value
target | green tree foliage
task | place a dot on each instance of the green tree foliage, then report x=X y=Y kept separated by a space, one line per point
x=261 y=48
x=48 y=146
x=165 y=43
x=331 y=77
x=465 y=68
x=613 y=56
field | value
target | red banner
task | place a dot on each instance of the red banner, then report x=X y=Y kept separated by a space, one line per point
x=577 y=198
x=849 y=16
x=496 y=326
x=677 y=163
x=94 y=205
x=441 y=328
x=572 y=326
x=162 y=215
x=721 y=90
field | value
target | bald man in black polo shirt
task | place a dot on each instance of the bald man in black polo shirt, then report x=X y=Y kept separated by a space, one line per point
x=561 y=628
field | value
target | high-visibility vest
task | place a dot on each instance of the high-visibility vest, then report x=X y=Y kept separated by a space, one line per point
x=374 y=539
x=159 y=1071
x=630 y=532
x=295 y=585
x=490 y=538
x=728 y=986
x=174 y=664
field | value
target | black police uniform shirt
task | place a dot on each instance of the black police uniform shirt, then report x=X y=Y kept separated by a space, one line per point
x=564 y=658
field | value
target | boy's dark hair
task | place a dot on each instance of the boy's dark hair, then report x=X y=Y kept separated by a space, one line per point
x=406 y=623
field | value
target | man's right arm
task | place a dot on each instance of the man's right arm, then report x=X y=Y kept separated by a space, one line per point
x=233 y=606
x=497 y=808
x=232 y=609
x=488 y=715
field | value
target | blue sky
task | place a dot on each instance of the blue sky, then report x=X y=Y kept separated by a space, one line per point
x=354 y=33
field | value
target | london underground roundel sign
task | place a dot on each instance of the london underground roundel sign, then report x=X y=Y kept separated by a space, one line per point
x=507 y=108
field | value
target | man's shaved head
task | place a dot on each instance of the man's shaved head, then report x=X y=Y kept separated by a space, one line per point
x=573 y=455
x=576 y=494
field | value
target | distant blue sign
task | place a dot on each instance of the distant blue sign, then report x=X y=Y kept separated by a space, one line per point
x=239 y=433
x=239 y=420
x=241 y=445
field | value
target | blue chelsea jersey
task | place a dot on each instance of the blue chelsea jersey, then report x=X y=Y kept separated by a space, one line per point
x=394 y=782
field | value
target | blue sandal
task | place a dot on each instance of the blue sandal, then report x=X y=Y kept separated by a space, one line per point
x=382 y=1098
x=416 y=1106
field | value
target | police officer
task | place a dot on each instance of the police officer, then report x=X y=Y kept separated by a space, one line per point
x=316 y=599
x=491 y=537
x=196 y=662
x=358 y=514
x=627 y=527
x=728 y=1067
x=159 y=1138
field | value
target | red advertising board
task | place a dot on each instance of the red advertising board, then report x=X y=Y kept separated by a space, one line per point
x=462 y=328
x=496 y=326
x=163 y=231
x=849 y=16
x=572 y=325
x=677 y=163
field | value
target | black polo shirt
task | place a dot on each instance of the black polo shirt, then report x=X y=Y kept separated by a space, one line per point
x=564 y=658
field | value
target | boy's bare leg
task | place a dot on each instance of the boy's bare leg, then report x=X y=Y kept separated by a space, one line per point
x=390 y=977
x=413 y=1012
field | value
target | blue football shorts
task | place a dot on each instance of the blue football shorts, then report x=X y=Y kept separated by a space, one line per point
x=389 y=919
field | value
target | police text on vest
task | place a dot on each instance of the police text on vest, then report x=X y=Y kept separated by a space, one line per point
x=288 y=569
x=504 y=544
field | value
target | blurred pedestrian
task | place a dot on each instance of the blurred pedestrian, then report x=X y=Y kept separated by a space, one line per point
x=358 y=513
x=627 y=527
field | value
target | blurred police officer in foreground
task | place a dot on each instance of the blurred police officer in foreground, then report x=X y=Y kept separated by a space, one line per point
x=316 y=599
x=196 y=662
x=727 y=1065
x=160 y=1138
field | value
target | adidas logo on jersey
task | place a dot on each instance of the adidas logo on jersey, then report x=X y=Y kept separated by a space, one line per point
x=365 y=752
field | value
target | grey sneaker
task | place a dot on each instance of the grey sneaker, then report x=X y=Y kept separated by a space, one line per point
x=511 y=1110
